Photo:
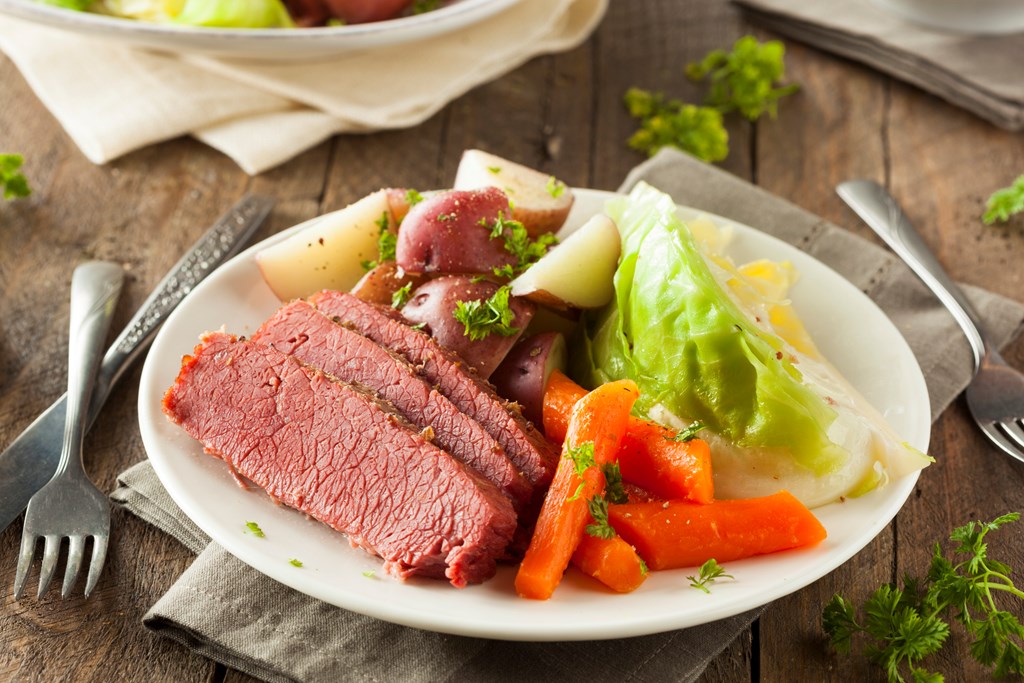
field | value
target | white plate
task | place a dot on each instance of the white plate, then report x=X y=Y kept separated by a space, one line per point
x=273 y=44
x=850 y=329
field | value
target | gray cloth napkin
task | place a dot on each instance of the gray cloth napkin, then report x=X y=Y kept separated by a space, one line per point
x=229 y=612
x=979 y=73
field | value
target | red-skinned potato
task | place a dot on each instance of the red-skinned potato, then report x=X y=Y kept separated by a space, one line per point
x=540 y=201
x=449 y=233
x=363 y=11
x=523 y=375
x=398 y=202
x=434 y=304
x=380 y=283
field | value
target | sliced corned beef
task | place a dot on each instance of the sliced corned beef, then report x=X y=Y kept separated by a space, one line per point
x=300 y=330
x=528 y=449
x=332 y=451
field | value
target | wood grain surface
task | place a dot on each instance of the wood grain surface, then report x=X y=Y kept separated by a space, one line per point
x=562 y=114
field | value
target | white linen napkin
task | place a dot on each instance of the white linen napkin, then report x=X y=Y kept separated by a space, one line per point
x=112 y=99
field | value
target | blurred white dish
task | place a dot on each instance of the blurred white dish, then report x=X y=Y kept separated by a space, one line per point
x=263 y=44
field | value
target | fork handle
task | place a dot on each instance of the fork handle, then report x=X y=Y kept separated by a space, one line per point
x=95 y=287
x=879 y=210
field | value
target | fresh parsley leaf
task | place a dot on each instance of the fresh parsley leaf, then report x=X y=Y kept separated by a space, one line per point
x=494 y=169
x=370 y=574
x=744 y=79
x=335 y=21
x=555 y=187
x=709 y=572
x=387 y=243
x=904 y=626
x=481 y=318
x=400 y=297
x=688 y=434
x=14 y=183
x=614 y=489
x=598 y=507
x=255 y=529
x=1005 y=202
x=295 y=563
x=696 y=130
x=518 y=243
x=412 y=197
x=424 y=6
x=582 y=458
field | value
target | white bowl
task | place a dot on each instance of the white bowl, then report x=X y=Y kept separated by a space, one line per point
x=962 y=16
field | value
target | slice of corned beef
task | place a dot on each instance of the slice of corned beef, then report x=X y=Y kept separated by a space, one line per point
x=332 y=451
x=528 y=449
x=300 y=330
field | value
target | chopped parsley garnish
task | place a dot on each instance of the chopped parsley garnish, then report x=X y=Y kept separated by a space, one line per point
x=1005 y=202
x=744 y=80
x=709 y=572
x=387 y=243
x=696 y=130
x=295 y=563
x=614 y=489
x=598 y=507
x=688 y=434
x=518 y=243
x=481 y=318
x=582 y=458
x=445 y=217
x=255 y=529
x=400 y=297
x=335 y=21
x=424 y=6
x=643 y=567
x=555 y=187
x=14 y=184
x=370 y=574
x=905 y=625
x=494 y=169
x=412 y=197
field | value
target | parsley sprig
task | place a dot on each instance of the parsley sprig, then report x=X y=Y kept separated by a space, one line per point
x=688 y=434
x=744 y=79
x=518 y=243
x=907 y=624
x=694 y=129
x=601 y=528
x=400 y=297
x=709 y=572
x=582 y=459
x=492 y=316
x=1005 y=202
x=13 y=182
x=387 y=243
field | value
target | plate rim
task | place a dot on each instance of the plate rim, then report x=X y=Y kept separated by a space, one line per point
x=898 y=492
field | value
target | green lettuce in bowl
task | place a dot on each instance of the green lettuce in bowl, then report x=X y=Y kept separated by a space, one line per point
x=707 y=341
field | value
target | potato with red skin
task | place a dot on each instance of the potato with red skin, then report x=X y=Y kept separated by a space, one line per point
x=450 y=232
x=364 y=11
x=433 y=304
x=523 y=375
x=381 y=282
x=398 y=202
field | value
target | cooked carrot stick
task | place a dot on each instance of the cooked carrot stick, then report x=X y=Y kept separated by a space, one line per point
x=598 y=422
x=648 y=457
x=611 y=561
x=670 y=469
x=682 y=534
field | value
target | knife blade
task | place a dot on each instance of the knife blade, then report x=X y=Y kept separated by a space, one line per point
x=31 y=459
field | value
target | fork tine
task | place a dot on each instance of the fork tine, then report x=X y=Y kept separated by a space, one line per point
x=25 y=556
x=1014 y=431
x=76 y=548
x=99 y=556
x=1000 y=439
x=51 y=551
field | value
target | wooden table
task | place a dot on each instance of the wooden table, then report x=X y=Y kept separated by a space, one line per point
x=562 y=114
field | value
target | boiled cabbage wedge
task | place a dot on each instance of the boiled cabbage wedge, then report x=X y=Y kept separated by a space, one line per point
x=712 y=342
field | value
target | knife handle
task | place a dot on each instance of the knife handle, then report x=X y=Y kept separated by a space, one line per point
x=221 y=242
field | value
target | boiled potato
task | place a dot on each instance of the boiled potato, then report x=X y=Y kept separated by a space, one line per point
x=434 y=303
x=578 y=272
x=327 y=254
x=449 y=233
x=380 y=283
x=523 y=375
x=540 y=201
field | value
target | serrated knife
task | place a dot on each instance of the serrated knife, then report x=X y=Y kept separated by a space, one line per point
x=29 y=462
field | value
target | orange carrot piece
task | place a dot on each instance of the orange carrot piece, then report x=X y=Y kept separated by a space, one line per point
x=670 y=469
x=611 y=561
x=648 y=457
x=683 y=534
x=598 y=418
x=560 y=395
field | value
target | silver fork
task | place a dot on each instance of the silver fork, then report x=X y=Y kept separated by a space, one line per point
x=995 y=395
x=70 y=505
